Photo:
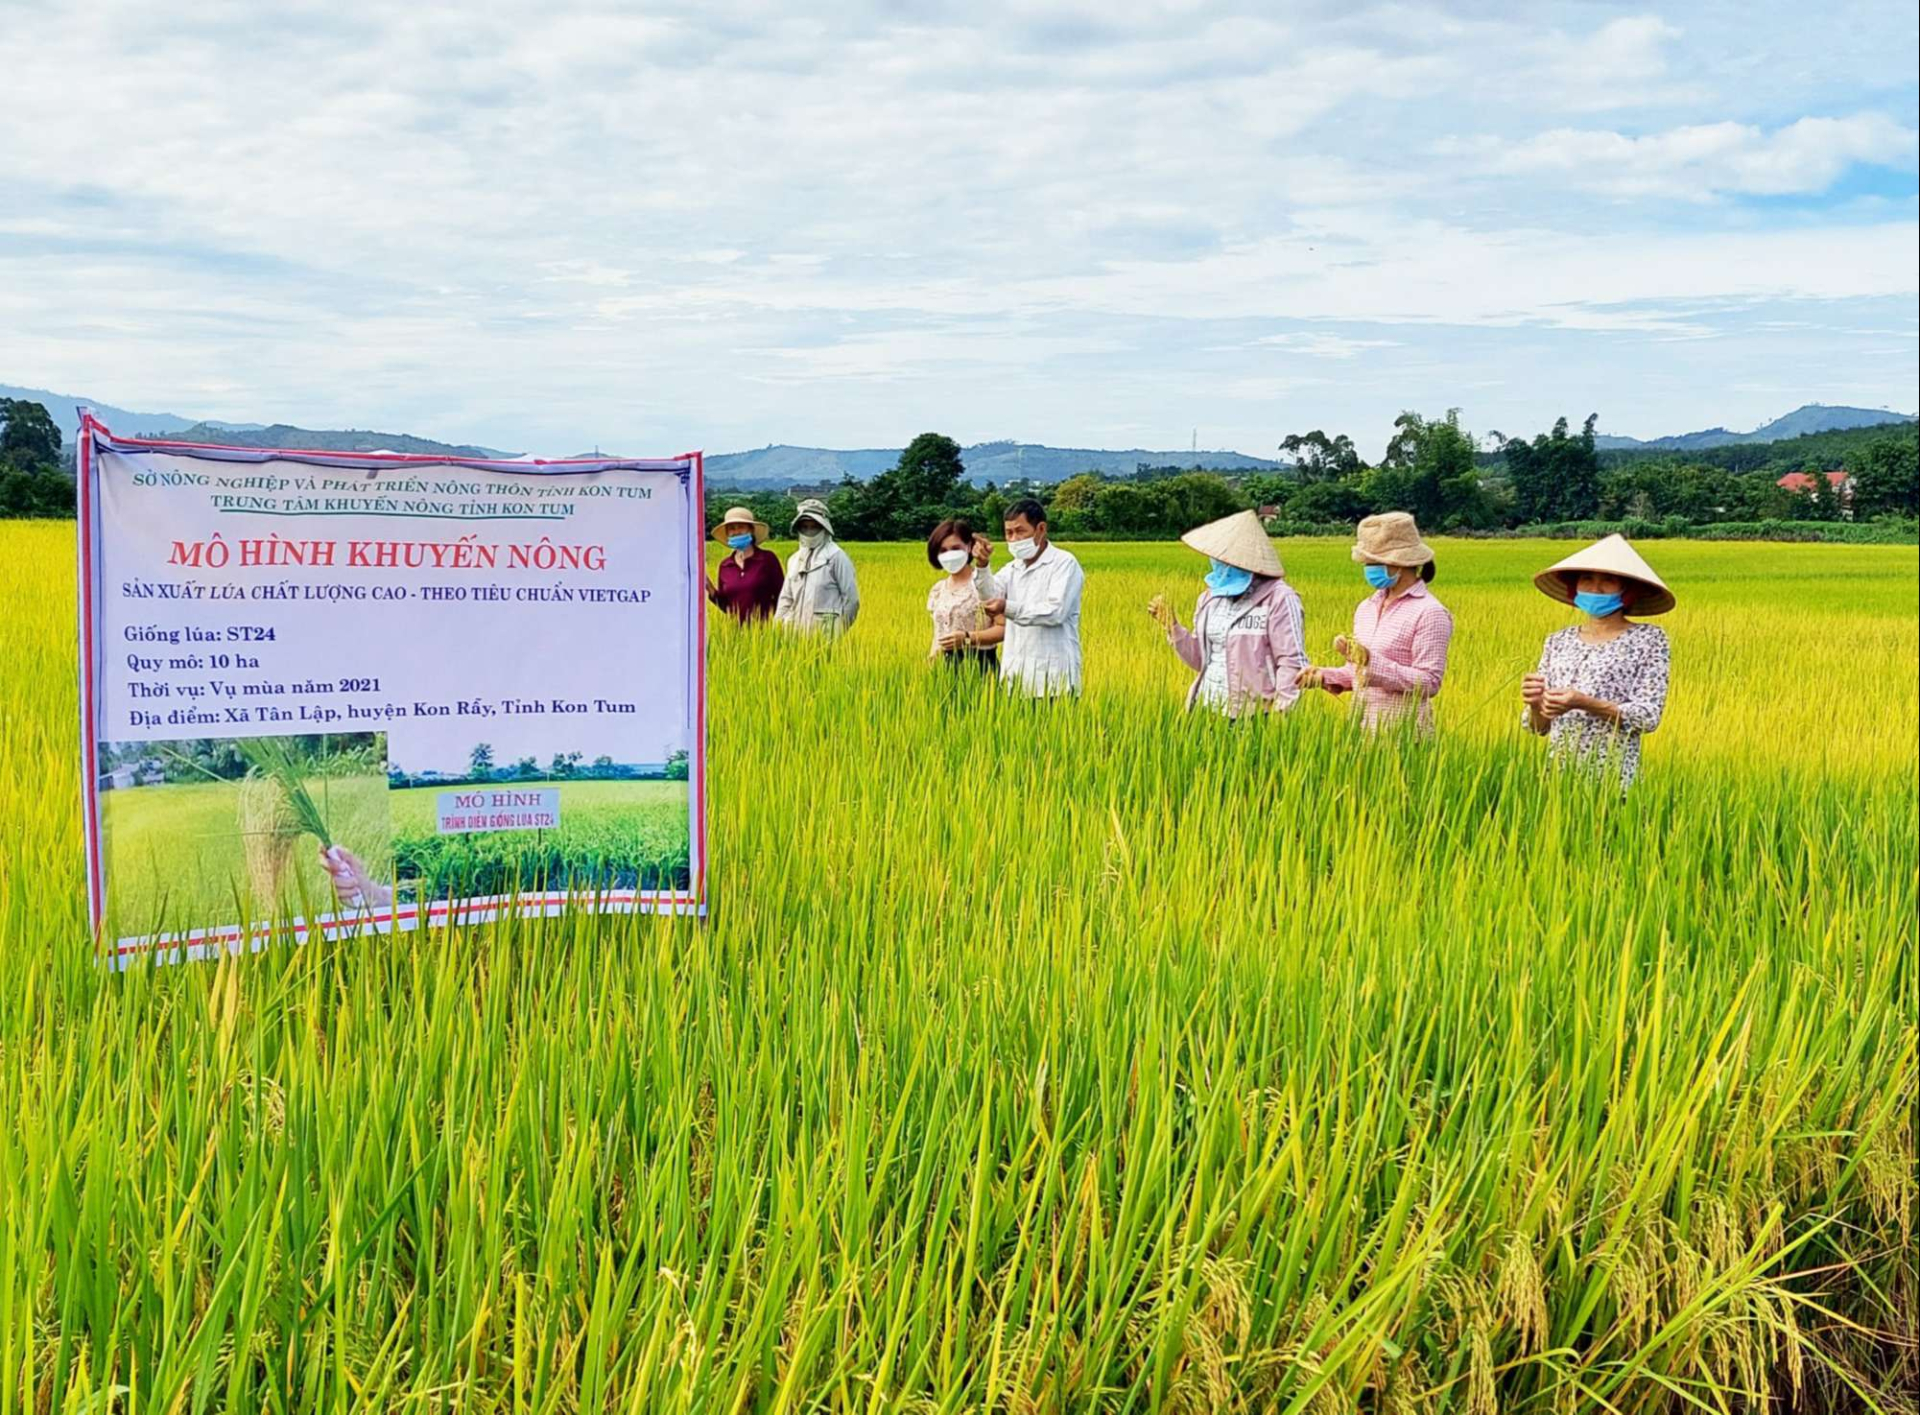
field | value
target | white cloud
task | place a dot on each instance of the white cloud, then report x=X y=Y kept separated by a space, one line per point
x=1323 y=346
x=715 y=223
x=1709 y=159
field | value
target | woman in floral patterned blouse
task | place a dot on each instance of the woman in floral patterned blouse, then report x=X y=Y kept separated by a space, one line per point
x=1601 y=684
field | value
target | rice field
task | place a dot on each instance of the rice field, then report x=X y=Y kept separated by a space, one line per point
x=613 y=835
x=1076 y=1058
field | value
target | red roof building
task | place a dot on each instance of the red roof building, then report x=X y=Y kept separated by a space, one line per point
x=1803 y=481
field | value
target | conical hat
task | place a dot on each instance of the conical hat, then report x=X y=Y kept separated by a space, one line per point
x=1611 y=556
x=740 y=516
x=1238 y=540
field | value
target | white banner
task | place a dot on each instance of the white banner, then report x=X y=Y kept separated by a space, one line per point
x=294 y=663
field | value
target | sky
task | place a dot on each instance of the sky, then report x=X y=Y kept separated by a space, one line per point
x=550 y=227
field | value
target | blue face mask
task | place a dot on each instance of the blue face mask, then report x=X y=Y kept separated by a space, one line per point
x=1598 y=605
x=1379 y=576
x=1228 y=580
x=740 y=542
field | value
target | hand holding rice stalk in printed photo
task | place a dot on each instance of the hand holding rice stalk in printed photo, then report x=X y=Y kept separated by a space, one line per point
x=203 y=828
x=276 y=809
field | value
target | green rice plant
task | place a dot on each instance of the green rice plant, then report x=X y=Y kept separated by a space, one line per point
x=272 y=760
x=1083 y=1057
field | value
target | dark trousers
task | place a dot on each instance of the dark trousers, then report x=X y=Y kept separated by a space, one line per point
x=985 y=661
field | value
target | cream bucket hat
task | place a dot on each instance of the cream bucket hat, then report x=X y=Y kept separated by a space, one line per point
x=1612 y=555
x=740 y=516
x=1391 y=538
x=812 y=509
x=1238 y=540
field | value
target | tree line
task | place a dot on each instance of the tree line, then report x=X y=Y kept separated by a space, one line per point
x=1432 y=467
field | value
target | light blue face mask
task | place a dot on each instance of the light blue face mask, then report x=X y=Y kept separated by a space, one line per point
x=1379 y=576
x=1598 y=605
x=1228 y=581
x=741 y=542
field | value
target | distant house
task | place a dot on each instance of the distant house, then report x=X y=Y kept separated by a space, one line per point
x=141 y=773
x=1800 y=483
x=1268 y=513
x=821 y=489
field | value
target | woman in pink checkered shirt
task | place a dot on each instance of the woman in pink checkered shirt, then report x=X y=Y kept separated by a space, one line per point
x=1396 y=657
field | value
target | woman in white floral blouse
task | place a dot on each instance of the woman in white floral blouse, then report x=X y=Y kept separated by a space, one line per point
x=1601 y=684
x=964 y=634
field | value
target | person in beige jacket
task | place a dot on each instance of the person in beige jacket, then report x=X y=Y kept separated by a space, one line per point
x=821 y=592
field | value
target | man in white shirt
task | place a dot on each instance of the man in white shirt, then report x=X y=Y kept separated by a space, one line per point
x=1041 y=599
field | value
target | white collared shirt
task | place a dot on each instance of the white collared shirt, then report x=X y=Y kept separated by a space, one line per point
x=1041 y=653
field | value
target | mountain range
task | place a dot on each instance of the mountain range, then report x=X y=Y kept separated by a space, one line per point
x=1809 y=417
x=780 y=465
x=64 y=409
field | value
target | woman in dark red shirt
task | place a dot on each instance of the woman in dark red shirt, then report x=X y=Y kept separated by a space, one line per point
x=749 y=578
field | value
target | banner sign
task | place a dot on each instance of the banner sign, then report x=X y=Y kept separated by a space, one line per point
x=356 y=691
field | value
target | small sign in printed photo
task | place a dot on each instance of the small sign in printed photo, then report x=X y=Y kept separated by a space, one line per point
x=498 y=808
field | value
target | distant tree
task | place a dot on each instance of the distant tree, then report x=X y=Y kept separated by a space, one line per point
x=676 y=769
x=1824 y=495
x=1122 y=508
x=1886 y=478
x=1430 y=470
x=929 y=470
x=1077 y=493
x=1556 y=477
x=563 y=764
x=29 y=437
x=526 y=769
x=1194 y=498
x=1319 y=458
x=31 y=481
x=1267 y=489
x=1327 y=502
x=480 y=762
x=601 y=766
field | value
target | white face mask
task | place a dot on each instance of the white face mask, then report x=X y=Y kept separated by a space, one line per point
x=812 y=540
x=954 y=561
x=1023 y=548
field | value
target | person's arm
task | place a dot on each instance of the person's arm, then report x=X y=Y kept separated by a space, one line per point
x=986 y=638
x=1533 y=690
x=1647 y=704
x=1056 y=604
x=1426 y=663
x=786 y=601
x=849 y=584
x=1287 y=643
x=1186 y=642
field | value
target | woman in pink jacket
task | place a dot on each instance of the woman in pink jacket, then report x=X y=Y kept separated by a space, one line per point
x=1396 y=658
x=1247 y=644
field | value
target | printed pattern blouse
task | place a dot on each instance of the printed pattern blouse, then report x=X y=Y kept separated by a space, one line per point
x=1629 y=671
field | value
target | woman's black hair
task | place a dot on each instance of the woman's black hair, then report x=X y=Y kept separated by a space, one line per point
x=946 y=530
x=1426 y=573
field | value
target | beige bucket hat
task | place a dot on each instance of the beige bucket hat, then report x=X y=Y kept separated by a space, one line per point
x=1391 y=538
x=740 y=516
x=812 y=509
x=1238 y=540
x=1611 y=555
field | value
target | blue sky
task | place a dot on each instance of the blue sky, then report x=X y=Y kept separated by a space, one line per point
x=551 y=226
